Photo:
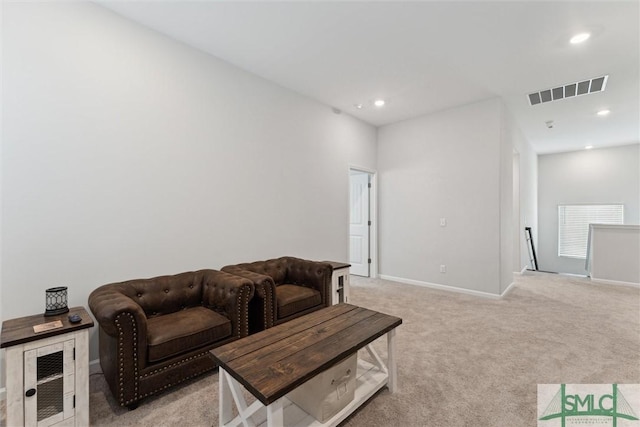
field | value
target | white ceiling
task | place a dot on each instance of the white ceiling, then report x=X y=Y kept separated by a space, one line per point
x=422 y=57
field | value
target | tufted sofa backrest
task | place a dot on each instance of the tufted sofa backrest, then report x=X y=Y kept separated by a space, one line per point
x=289 y=270
x=277 y=269
x=300 y=271
x=165 y=294
x=274 y=268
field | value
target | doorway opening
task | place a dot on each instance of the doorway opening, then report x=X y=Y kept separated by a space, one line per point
x=362 y=237
x=517 y=225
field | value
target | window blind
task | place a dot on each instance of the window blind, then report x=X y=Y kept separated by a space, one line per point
x=573 y=225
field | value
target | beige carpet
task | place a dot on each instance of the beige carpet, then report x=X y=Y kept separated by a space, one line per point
x=462 y=360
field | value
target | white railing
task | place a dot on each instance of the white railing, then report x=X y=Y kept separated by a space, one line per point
x=613 y=253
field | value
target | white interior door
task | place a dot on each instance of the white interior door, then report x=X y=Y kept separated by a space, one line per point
x=359 y=223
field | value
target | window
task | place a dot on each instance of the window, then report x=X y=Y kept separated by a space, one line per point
x=573 y=225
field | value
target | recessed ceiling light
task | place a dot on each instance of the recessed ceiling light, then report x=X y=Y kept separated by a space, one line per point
x=379 y=103
x=579 y=38
x=588 y=147
x=358 y=106
x=603 y=112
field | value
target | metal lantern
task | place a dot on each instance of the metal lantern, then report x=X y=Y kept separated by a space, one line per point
x=56 y=301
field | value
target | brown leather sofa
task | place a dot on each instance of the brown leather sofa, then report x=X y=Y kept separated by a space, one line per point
x=155 y=333
x=285 y=288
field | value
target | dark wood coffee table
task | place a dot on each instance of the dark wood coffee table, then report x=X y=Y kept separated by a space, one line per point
x=274 y=362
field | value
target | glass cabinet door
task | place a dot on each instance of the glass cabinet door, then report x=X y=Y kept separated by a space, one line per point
x=49 y=384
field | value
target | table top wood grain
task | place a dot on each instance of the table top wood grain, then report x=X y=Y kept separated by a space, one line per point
x=20 y=330
x=273 y=362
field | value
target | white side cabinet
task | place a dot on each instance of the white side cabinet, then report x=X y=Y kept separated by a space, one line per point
x=47 y=373
x=339 y=282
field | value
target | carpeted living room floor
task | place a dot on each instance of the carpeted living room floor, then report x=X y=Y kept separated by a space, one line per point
x=462 y=360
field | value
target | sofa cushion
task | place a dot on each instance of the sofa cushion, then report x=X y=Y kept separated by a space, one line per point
x=293 y=299
x=178 y=332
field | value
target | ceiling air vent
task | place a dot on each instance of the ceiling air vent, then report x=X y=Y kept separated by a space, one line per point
x=584 y=87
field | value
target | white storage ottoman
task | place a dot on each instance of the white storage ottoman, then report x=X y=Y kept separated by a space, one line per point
x=327 y=393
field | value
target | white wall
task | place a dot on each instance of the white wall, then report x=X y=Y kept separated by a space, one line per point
x=127 y=155
x=456 y=164
x=444 y=165
x=607 y=175
x=2 y=373
x=615 y=251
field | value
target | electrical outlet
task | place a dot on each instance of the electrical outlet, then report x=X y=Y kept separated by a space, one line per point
x=443 y=222
x=443 y=268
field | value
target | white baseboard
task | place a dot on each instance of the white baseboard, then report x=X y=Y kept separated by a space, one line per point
x=506 y=291
x=94 y=367
x=616 y=282
x=444 y=287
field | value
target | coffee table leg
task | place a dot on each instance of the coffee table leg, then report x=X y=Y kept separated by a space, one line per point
x=225 y=407
x=391 y=362
x=275 y=417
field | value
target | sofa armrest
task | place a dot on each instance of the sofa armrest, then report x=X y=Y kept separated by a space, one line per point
x=265 y=290
x=123 y=339
x=261 y=282
x=313 y=274
x=230 y=295
x=109 y=302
